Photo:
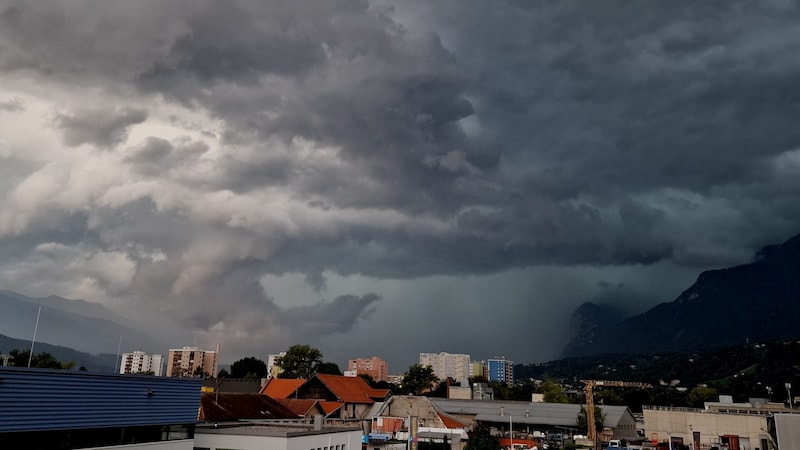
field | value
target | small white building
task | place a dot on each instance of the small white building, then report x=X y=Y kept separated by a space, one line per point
x=276 y=436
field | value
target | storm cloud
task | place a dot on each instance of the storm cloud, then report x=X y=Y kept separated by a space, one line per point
x=349 y=173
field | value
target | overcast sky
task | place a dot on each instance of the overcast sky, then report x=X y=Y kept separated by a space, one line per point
x=391 y=177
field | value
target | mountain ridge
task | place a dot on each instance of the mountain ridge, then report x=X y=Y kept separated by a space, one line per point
x=723 y=307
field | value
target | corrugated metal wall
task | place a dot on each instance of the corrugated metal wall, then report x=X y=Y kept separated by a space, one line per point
x=40 y=399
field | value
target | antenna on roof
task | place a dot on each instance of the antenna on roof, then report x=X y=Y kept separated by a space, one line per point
x=35 y=328
x=119 y=347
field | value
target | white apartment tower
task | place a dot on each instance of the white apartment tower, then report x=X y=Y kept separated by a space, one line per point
x=192 y=362
x=141 y=362
x=455 y=366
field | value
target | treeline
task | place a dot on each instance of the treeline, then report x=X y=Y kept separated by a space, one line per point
x=752 y=370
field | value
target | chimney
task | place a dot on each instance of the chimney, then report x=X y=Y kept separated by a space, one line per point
x=318 y=422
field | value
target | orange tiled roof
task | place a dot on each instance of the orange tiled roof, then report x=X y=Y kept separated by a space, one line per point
x=451 y=421
x=233 y=406
x=330 y=407
x=351 y=389
x=299 y=406
x=282 y=388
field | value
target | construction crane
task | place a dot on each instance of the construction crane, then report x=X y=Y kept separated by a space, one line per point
x=589 y=387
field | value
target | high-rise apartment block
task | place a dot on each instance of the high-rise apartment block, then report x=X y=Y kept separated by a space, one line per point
x=500 y=369
x=141 y=362
x=375 y=367
x=446 y=365
x=191 y=361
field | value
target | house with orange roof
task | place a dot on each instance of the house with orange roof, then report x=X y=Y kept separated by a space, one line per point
x=339 y=397
x=282 y=387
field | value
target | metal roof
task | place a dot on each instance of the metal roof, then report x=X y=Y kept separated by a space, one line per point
x=553 y=414
x=43 y=399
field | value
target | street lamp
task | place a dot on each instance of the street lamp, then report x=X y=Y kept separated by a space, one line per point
x=789 y=392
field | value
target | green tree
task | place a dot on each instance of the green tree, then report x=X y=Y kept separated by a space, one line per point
x=43 y=360
x=701 y=394
x=300 y=361
x=329 y=368
x=553 y=392
x=419 y=379
x=250 y=367
x=368 y=378
x=223 y=374
x=481 y=439
x=599 y=420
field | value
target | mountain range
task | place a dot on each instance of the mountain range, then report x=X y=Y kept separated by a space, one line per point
x=77 y=324
x=752 y=302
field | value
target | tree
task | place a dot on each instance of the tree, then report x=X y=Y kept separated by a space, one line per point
x=329 y=368
x=599 y=420
x=701 y=394
x=419 y=379
x=482 y=439
x=553 y=393
x=43 y=360
x=300 y=361
x=223 y=374
x=250 y=367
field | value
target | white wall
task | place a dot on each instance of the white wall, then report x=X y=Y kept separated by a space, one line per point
x=184 y=444
x=350 y=440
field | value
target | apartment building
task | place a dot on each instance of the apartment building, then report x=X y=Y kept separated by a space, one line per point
x=447 y=365
x=500 y=369
x=375 y=367
x=141 y=362
x=191 y=361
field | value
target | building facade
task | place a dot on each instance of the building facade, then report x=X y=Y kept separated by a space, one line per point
x=375 y=367
x=141 y=362
x=500 y=369
x=191 y=361
x=447 y=365
x=277 y=436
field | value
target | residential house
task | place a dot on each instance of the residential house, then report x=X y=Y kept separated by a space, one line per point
x=339 y=397
x=390 y=426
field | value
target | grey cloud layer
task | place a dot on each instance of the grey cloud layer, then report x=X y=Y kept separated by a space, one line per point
x=389 y=140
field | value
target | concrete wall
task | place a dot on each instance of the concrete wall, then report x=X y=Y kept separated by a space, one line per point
x=681 y=423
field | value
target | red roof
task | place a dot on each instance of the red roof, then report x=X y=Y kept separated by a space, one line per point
x=300 y=406
x=282 y=388
x=352 y=389
x=330 y=407
x=451 y=421
x=233 y=406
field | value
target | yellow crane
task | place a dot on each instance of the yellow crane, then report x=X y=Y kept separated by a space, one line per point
x=589 y=387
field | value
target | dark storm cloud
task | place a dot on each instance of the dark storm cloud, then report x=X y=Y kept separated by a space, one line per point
x=100 y=127
x=390 y=140
x=336 y=316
